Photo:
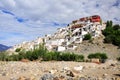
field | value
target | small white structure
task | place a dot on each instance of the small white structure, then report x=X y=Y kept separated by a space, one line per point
x=57 y=42
x=71 y=47
x=61 y=48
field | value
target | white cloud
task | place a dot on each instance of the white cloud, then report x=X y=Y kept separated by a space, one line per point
x=42 y=14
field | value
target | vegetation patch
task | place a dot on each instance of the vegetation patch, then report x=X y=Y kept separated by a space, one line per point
x=43 y=53
x=101 y=56
x=18 y=50
x=87 y=37
x=112 y=33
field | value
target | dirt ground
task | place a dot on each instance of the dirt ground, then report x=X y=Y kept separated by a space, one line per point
x=35 y=70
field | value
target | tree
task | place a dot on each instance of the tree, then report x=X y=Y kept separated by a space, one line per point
x=112 y=33
x=107 y=24
x=109 y=39
x=116 y=27
x=110 y=23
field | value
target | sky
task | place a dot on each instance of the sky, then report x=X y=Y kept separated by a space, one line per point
x=25 y=20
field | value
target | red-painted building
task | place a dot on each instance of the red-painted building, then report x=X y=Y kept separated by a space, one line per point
x=94 y=18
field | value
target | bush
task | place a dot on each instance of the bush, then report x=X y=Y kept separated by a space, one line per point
x=101 y=56
x=87 y=37
x=72 y=57
x=18 y=50
x=41 y=52
x=3 y=56
x=47 y=57
x=62 y=56
x=79 y=58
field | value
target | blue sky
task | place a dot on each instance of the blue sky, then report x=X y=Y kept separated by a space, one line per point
x=25 y=20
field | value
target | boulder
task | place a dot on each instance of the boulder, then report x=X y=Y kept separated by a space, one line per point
x=78 y=68
x=47 y=77
x=25 y=60
x=95 y=60
x=74 y=74
x=82 y=78
x=53 y=71
x=65 y=69
x=70 y=73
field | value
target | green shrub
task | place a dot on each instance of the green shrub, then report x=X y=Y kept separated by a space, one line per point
x=79 y=58
x=3 y=56
x=101 y=56
x=18 y=50
x=66 y=56
x=47 y=57
x=87 y=37
x=41 y=52
x=72 y=57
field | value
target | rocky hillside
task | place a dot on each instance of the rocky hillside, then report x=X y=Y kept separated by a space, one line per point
x=72 y=39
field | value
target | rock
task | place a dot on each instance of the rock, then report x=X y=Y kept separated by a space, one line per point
x=100 y=78
x=13 y=79
x=69 y=78
x=74 y=74
x=56 y=78
x=47 y=77
x=82 y=78
x=4 y=74
x=70 y=73
x=62 y=77
x=53 y=71
x=25 y=60
x=118 y=78
x=66 y=69
x=104 y=68
x=95 y=60
x=79 y=68
x=112 y=65
x=105 y=74
x=23 y=69
x=32 y=78
x=22 y=78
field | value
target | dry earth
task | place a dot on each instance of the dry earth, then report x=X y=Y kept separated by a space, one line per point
x=59 y=70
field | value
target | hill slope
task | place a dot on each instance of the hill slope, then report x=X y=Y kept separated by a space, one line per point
x=97 y=46
x=3 y=47
x=71 y=38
